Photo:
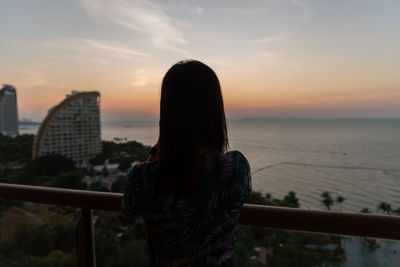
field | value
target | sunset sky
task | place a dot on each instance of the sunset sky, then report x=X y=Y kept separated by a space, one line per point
x=274 y=58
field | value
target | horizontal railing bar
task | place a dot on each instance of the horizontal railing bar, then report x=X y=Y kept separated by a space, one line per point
x=332 y=222
x=321 y=221
x=62 y=197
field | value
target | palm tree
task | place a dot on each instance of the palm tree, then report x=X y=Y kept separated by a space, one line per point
x=268 y=198
x=290 y=200
x=340 y=200
x=327 y=199
x=365 y=210
x=385 y=207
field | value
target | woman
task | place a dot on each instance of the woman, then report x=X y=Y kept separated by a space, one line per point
x=190 y=192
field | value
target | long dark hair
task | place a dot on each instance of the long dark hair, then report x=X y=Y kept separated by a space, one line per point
x=192 y=118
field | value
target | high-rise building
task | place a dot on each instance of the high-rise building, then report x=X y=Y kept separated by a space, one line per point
x=8 y=110
x=71 y=128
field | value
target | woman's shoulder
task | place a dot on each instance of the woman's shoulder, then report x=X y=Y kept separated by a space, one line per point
x=138 y=169
x=233 y=164
x=236 y=154
x=237 y=158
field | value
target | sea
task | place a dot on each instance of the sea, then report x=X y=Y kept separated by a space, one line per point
x=358 y=159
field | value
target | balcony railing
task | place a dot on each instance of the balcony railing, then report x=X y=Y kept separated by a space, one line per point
x=330 y=222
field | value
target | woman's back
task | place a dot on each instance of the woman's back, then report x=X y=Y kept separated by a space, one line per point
x=190 y=200
x=196 y=231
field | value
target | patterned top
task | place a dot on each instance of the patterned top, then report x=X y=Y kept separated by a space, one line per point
x=192 y=232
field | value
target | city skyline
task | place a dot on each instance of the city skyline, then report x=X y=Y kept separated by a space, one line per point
x=288 y=58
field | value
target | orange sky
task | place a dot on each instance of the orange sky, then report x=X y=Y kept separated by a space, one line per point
x=284 y=58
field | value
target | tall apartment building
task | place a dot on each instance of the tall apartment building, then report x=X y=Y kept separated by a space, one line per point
x=71 y=128
x=8 y=110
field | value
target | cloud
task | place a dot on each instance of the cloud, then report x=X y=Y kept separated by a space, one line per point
x=141 y=16
x=268 y=39
x=82 y=44
x=246 y=41
x=146 y=77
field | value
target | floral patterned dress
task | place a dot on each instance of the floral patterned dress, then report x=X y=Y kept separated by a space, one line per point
x=192 y=232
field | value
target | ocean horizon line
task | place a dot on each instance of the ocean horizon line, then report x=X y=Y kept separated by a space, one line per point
x=269 y=118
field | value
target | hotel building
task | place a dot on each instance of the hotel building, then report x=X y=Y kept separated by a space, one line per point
x=8 y=111
x=72 y=128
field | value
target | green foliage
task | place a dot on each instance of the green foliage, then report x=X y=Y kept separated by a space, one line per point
x=63 y=238
x=51 y=165
x=67 y=180
x=16 y=149
x=28 y=238
x=57 y=244
x=107 y=249
x=50 y=238
x=327 y=199
x=98 y=159
x=290 y=200
x=340 y=199
x=125 y=164
x=109 y=148
x=116 y=152
x=365 y=210
x=9 y=175
x=40 y=246
x=287 y=247
x=257 y=197
x=50 y=170
x=135 y=149
x=56 y=258
x=134 y=254
x=122 y=153
x=385 y=207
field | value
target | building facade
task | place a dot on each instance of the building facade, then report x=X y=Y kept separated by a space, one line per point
x=8 y=110
x=72 y=128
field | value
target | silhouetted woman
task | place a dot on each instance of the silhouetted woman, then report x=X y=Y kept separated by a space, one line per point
x=190 y=191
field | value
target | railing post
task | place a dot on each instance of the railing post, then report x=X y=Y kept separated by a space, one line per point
x=85 y=254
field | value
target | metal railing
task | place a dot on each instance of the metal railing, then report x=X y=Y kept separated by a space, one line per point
x=330 y=222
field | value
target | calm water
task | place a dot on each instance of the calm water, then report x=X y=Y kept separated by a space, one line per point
x=357 y=159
